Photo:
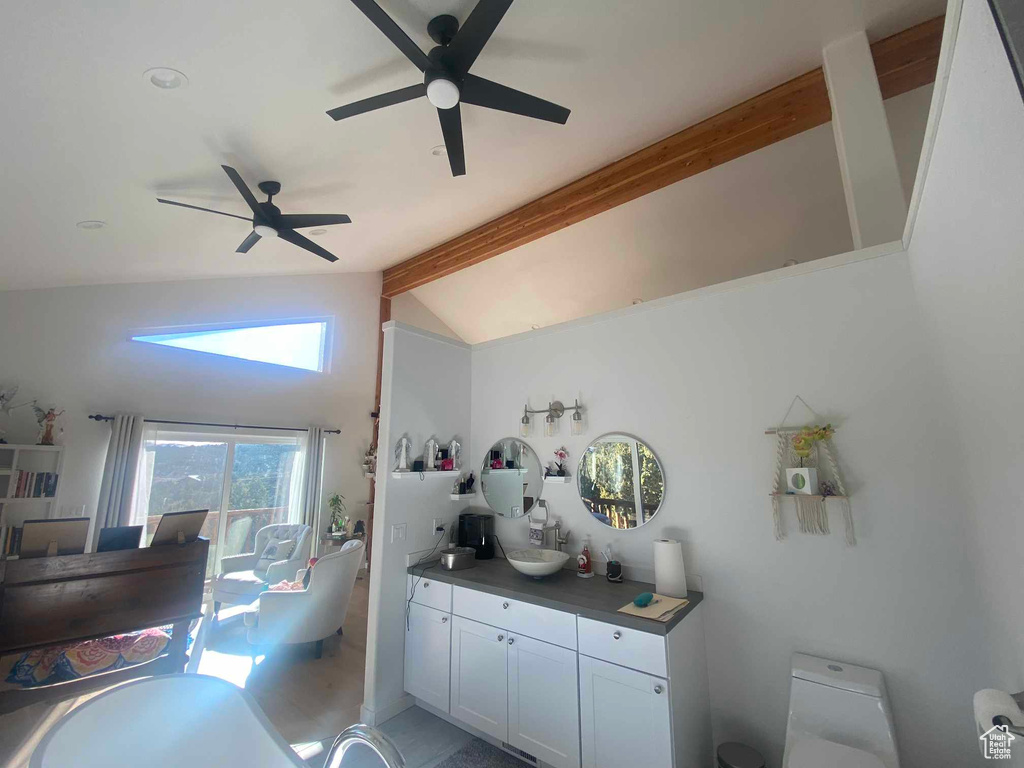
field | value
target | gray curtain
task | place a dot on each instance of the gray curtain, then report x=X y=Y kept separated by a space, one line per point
x=119 y=471
x=312 y=486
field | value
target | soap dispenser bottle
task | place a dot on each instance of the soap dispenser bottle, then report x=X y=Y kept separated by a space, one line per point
x=584 y=563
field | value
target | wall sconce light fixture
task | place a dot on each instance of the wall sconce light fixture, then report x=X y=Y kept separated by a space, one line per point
x=553 y=413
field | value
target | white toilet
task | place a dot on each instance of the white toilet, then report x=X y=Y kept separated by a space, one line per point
x=839 y=717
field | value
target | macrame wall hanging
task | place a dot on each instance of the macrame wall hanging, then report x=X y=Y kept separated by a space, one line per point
x=808 y=448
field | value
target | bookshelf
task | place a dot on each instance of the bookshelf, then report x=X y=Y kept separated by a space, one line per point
x=20 y=500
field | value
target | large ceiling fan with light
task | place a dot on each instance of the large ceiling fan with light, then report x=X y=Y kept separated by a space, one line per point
x=268 y=221
x=446 y=78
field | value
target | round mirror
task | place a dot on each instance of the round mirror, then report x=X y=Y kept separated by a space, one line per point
x=620 y=481
x=511 y=478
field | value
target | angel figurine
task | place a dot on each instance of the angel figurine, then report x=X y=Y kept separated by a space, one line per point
x=402 y=454
x=6 y=398
x=430 y=455
x=47 y=420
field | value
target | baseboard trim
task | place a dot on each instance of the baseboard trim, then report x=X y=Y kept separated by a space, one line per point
x=382 y=715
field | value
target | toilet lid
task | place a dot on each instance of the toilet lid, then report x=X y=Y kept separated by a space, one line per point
x=817 y=753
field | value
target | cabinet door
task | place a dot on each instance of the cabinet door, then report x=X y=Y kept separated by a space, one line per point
x=543 y=701
x=480 y=676
x=624 y=717
x=428 y=655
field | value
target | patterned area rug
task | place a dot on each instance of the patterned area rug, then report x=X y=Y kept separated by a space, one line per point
x=480 y=754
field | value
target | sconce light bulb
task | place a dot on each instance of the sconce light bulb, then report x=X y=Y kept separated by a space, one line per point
x=577 y=423
x=550 y=425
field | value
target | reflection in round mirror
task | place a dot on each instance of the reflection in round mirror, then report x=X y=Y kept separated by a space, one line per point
x=511 y=478
x=620 y=481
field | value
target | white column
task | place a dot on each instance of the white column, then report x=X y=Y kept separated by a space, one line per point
x=867 y=160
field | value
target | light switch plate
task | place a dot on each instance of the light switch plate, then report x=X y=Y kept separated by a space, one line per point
x=397 y=533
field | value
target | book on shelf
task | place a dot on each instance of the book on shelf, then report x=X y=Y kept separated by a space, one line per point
x=35 y=485
x=10 y=541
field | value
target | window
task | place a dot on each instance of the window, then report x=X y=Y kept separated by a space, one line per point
x=247 y=481
x=292 y=344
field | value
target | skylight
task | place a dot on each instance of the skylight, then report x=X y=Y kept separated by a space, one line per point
x=294 y=345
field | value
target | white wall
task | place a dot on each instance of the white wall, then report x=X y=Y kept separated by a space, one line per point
x=408 y=310
x=69 y=347
x=425 y=393
x=968 y=271
x=699 y=377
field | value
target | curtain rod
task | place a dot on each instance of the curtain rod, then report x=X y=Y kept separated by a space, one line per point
x=100 y=417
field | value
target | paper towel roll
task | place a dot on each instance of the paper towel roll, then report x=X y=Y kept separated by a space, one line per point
x=990 y=703
x=669 y=576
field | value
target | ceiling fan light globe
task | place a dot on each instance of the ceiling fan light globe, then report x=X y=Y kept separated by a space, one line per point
x=442 y=93
x=264 y=231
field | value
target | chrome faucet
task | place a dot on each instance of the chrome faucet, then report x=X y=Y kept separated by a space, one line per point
x=371 y=737
x=560 y=540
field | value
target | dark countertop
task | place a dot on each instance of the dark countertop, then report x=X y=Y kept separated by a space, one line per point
x=595 y=598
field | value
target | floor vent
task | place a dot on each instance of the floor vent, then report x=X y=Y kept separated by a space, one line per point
x=519 y=753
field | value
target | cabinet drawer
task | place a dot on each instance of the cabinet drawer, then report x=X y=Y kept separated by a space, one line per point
x=515 y=616
x=625 y=647
x=433 y=594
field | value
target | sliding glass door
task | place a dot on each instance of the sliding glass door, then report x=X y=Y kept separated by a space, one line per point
x=246 y=480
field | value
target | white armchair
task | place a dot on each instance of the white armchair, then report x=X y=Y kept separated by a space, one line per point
x=311 y=614
x=242 y=580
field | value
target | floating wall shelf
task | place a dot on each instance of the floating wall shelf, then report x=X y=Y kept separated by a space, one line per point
x=424 y=475
x=462 y=496
x=557 y=479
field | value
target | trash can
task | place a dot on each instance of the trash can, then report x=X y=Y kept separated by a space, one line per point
x=732 y=754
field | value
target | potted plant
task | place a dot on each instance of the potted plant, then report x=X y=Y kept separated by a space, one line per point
x=562 y=455
x=804 y=480
x=337 y=505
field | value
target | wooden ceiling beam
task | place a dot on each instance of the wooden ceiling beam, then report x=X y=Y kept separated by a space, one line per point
x=904 y=61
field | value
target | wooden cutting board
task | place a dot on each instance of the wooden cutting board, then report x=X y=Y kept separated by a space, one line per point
x=660 y=609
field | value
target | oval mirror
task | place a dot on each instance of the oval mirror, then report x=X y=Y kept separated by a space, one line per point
x=511 y=478
x=621 y=481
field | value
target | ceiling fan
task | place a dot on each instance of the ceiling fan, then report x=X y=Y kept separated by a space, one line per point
x=268 y=221
x=446 y=78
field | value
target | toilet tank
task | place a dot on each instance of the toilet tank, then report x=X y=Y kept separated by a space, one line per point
x=842 y=703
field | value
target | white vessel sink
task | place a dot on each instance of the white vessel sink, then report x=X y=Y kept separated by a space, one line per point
x=537 y=562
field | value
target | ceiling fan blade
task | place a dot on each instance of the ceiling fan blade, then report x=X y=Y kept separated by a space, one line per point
x=300 y=220
x=295 y=238
x=378 y=102
x=208 y=210
x=474 y=34
x=248 y=243
x=243 y=190
x=486 y=93
x=451 y=129
x=393 y=32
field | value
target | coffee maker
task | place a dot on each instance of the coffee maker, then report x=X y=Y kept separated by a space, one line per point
x=477 y=531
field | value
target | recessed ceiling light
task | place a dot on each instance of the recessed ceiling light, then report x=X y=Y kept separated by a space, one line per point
x=438 y=150
x=319 y=231
x=91 y=224
x=165 y=78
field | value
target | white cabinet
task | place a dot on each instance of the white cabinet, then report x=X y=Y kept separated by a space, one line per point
x=625 y=718
x=543 y=701
x=479 y=687
x=427 y=658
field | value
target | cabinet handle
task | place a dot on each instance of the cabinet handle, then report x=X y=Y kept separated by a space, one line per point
x=511 y=640
x=505 y=606
x=500 y=638
x=444 y=619
x=658 y=689
x=617 y=636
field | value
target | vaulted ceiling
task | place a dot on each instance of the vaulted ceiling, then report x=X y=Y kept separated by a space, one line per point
x=86 y=137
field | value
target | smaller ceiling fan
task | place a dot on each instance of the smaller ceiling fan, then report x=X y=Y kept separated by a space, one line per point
x=268 y=221
x=446 y=78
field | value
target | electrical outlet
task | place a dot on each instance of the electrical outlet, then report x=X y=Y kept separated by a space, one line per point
x=436 y=523
x=397 y=533
x=515 y=511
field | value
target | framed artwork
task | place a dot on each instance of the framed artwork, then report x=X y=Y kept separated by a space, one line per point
x=1009 y=16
